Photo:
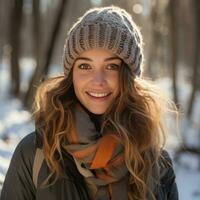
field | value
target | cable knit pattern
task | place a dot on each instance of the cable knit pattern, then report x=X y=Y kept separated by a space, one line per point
x=109 y=28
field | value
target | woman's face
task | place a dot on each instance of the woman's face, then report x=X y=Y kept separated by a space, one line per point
x=96 y=79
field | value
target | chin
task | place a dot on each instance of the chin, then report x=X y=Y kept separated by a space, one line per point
x=97 y=112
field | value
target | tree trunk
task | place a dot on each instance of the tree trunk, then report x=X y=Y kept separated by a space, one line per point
x=174 y=47
x=186 y=148
x=195 y=76
x=153 y=42
x=15 y=27
x=36 y=28
x=53 y=37
x=37 y=50
x=42 y=67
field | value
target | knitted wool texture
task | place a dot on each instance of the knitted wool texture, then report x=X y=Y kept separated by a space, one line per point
x=109 y=28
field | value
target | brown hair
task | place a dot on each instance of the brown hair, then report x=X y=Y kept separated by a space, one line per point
x=135 y=115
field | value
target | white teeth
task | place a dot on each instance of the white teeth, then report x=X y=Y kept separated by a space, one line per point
x=98 y=94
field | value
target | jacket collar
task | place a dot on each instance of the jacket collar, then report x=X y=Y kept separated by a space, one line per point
x=38 y=139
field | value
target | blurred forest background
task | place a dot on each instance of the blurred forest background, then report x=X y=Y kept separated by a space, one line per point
x=36 y=29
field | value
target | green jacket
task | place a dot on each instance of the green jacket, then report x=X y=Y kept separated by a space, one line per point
x=18 y=184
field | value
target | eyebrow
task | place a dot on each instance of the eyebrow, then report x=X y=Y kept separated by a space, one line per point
x=88 y=59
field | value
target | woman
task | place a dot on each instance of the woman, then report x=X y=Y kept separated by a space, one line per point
x=98 y=127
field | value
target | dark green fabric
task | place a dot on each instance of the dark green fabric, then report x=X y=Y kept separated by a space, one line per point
x=18 y=184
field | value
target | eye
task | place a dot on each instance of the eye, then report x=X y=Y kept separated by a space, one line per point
x=113 y=67
x=84 y=66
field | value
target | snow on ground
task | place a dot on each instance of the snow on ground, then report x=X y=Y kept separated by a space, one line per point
x=15 y=123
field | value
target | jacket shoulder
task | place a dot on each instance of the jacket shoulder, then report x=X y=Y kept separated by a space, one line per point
x=168 y=177
x=26 y=148
x=28 y=141
x=20 y=171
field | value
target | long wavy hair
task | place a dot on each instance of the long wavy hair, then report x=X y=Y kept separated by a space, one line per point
x=135 y=115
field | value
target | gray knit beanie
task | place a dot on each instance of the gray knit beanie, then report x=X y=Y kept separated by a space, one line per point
x=109 y=28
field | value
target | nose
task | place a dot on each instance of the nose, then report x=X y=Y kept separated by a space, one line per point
x=98 y=78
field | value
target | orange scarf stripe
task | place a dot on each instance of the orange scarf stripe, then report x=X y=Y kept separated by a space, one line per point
x=104 y=152
x=99 y=159
x=85 y=152
x=118 y=161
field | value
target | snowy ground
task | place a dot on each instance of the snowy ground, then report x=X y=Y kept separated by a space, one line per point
x=15 y=123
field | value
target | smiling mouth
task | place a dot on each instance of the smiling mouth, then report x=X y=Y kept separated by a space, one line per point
x=98 y=94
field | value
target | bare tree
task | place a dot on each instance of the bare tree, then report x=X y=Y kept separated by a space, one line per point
x=37 y=47
x=173 y=6
x=42 y=67
x=36 y=28
x=15 y=27
x=187 y=148
x=153 y=40
x=196 y=63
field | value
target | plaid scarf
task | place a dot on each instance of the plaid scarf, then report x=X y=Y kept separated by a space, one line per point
x=99 y=158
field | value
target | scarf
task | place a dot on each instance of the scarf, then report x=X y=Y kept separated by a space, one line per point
x=99 y=158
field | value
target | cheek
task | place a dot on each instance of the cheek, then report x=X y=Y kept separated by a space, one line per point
x=79 y=83
x=114 y=82
x=117 y=88
x=76 y=82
